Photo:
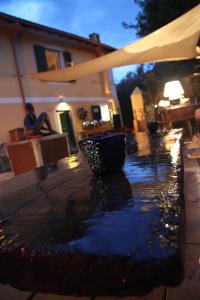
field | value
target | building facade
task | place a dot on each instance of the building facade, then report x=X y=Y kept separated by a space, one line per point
x=26 y=48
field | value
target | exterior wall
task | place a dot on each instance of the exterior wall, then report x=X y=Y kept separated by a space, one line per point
x=12 y=115
x=78 y=94
x=90 y=86
x=8 y=81
x=52 y=108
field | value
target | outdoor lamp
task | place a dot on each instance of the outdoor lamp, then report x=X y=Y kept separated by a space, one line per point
x=173 y=90
x=61 y=99
x=62 y=106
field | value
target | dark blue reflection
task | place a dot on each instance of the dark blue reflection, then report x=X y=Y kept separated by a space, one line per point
x=125 y=227
x=133 y=214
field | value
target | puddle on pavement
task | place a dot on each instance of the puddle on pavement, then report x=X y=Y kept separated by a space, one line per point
x=134 y=215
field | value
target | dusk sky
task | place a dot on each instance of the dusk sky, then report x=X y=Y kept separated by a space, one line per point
x=81 y=17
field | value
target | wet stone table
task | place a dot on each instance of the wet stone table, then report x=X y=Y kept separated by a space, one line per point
x=118 y=234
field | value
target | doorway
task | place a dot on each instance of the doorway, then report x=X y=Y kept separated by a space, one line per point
x=96 y=112
x=67 y=126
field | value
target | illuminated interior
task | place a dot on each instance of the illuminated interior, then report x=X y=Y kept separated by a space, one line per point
x=53 y=59
x=60 y=108
x=105 y=114
x=164 y=103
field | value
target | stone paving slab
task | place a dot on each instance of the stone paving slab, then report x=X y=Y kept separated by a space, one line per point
x=155 y=294
x=190 y=287
x=192 y=182
x=9 y=293
x=46 y=224
x=20 y=190
x=193 y=225
x=15 y=183
x=192 y=200
x=9 y=204
x=40 y=296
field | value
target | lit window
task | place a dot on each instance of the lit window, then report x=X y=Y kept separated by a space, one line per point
x=105 y=114
x=53 y=59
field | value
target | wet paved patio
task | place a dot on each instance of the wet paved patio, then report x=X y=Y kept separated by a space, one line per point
x=188 y=288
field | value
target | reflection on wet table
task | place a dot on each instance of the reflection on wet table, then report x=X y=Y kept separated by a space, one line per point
x=118 y=234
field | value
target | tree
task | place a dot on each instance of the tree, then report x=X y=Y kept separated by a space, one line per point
x=157 y=13
x=146 y=81
x=153 y=15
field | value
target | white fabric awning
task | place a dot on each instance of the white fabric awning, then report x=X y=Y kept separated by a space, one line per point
x=175 y=41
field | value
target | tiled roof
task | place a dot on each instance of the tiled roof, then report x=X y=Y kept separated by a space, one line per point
x=27 y=24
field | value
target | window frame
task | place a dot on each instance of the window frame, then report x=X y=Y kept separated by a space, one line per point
x=60 y=57
x=62 y=62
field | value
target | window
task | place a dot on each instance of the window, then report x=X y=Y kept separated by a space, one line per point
x=53 y=59
x=105 y=113
x=50 y=59
x=96 y=112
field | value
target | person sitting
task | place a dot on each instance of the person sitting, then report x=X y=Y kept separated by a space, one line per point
x=35 y=125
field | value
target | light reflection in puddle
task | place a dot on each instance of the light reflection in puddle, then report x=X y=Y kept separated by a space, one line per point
x=133 y=215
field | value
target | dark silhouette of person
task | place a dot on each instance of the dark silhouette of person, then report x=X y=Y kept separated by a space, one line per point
x=34 y=124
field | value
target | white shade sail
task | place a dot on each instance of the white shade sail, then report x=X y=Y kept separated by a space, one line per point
x=175 y=41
